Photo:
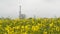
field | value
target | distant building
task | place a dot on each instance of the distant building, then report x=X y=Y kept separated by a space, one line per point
x=21 y=16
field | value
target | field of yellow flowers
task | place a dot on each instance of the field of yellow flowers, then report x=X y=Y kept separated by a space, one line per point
x=30 y=26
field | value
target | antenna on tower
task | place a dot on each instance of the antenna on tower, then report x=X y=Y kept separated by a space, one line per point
x=20 y=12
x=21 y=16
x=19 y=8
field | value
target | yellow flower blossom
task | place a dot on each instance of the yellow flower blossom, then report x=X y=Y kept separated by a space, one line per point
x=7 y=28
x=17 y=27
x=25 y=33
x=22 y=26
x=27 y=27
x=0 y=21
x=44 y=32
x=51 y=25
x=35 y=28
x=57 y=28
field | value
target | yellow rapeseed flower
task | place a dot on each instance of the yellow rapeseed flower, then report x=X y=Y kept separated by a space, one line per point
x=44 y=32
x=32 y=21
x=35 y=28
x=0 y=21
x=22 y=26
x=10 y=32
x=51 y=25
x=27 y=27
x=17 y=27
x=25 y=33
x=7 y=28
x=57 y=28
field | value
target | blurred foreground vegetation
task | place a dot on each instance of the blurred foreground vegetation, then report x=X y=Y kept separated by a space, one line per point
x=30 y=26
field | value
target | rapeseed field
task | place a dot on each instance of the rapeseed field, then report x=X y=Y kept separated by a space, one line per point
x=30 y=26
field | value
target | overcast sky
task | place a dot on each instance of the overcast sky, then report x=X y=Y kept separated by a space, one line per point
x=40 y=8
